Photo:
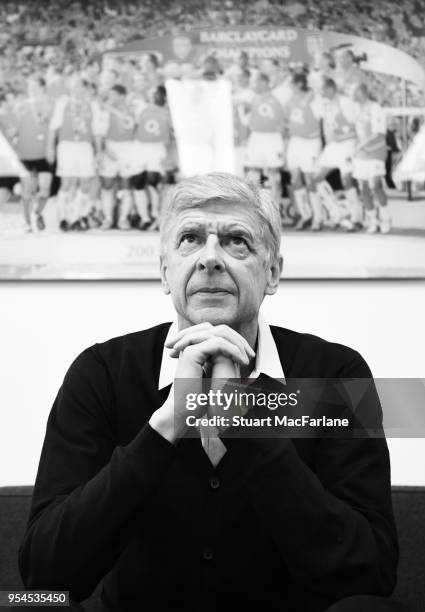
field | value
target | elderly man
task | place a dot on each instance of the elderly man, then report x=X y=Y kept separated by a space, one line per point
x=159 y=520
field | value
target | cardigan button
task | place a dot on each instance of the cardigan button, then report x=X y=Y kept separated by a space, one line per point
x=214 y=482
x=207 y=554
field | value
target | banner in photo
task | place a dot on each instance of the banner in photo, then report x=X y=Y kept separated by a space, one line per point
x=291 y=44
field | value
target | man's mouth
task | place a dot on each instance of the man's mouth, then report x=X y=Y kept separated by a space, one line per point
x=211 y=290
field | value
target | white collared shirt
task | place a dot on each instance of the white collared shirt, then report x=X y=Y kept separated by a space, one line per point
x=267 y=359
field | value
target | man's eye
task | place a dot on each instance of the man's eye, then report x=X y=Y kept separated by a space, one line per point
x=188 y=238
x=189 y=241
x=238 y=241
x=236 y=246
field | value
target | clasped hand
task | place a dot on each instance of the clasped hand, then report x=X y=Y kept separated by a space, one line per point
x=216 y=350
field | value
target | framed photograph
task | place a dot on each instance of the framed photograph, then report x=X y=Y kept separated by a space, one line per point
x=105 y=105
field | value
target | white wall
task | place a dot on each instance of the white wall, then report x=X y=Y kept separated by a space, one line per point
x=43 y=326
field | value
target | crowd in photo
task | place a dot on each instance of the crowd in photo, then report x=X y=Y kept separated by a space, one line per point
x=94 y=132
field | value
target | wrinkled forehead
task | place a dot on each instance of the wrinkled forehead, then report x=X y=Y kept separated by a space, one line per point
x=216 y=216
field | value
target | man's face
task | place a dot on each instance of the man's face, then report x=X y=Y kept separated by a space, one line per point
x=216 y=266
x=139 y=82
x=182 y=46
x=115 y=97
x=243 y=59
x=93 y=70
x=109 y=62
x=314 y=44
x=328 y=92
x=261 y=85
x=150 y=65
x=243 y=80
x=268 y=67
x=107 y=79
x=34 y=88
x=344 y=60
x=75 y=86
x=10 y=99
x=360 y=95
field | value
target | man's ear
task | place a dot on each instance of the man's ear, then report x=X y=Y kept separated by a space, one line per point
x=163 y=271
x=275 y=271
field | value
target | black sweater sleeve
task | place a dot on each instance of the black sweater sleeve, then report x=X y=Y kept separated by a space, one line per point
x=333 y=525
x=89 y=491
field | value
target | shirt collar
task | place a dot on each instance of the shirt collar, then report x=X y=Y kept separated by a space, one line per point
x=267 y=360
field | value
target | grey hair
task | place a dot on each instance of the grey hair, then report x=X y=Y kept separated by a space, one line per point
x=198 y=190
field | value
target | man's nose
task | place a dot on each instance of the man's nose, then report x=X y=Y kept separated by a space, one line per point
x=210 y=258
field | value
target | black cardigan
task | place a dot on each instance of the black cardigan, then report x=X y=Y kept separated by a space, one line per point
x=290 y=524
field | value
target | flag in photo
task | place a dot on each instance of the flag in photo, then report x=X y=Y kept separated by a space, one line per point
x=10 y=165
x=202 y=115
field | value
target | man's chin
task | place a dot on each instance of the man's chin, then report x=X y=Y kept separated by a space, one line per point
x=212 y=314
